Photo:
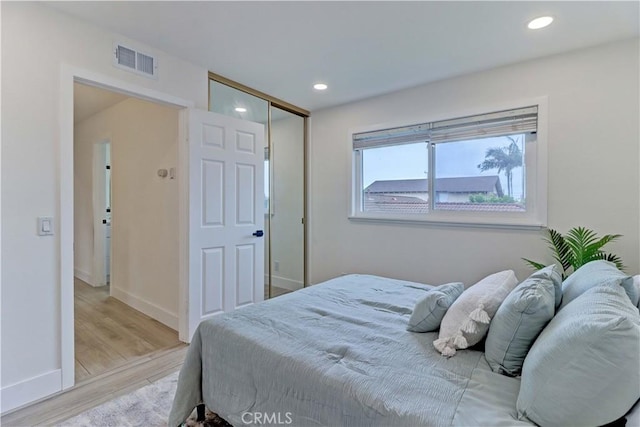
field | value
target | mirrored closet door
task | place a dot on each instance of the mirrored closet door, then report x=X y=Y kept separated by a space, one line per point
x=286 y=207
x=284 y=183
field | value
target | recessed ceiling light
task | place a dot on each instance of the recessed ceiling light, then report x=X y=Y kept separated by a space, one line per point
x=320 y=86
x=541 y=22
x=241 y=109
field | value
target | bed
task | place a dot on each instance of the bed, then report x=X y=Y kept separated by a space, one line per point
x=334 y=354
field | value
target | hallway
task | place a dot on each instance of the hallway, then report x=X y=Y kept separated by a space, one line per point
x=109 y=333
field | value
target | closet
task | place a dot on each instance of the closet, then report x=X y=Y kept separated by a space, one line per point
x=284 y=177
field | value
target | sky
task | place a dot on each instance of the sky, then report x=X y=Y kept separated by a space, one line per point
x=453 y=159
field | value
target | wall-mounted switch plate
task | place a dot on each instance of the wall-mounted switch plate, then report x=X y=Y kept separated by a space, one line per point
x=45 y=226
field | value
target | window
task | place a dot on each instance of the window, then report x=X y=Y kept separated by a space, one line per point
x=481 y=169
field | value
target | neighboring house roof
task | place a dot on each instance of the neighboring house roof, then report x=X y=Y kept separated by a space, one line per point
x=475 y=207
x=398 y=204
x=413 y=205
x=466 y=184
x=396 y=200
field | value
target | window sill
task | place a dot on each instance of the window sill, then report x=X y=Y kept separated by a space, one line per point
x=450 y=223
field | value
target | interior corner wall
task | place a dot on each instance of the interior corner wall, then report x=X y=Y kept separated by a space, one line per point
x=36 y=41
x=83 y=221
x=144 y=211
x=287 y=230
x=593 y=149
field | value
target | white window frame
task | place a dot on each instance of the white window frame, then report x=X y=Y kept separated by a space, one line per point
x=535 y=154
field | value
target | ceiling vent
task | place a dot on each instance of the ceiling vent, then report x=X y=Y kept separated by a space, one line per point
x=130 y=59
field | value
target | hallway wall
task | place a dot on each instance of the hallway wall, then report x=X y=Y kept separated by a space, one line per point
x=144 y=266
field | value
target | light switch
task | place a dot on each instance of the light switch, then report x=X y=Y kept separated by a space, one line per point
x=45 y=226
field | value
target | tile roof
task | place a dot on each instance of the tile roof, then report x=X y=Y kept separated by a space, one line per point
x=465 y=184
x=374 y=203
x=478 y=207
x=379 y=203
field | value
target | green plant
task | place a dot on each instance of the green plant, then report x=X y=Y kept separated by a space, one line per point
x=490 y=198
x=576 y=248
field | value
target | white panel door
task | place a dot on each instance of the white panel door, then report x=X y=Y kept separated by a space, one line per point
x=226 y=215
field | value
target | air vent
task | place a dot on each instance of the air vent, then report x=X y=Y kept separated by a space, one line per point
x=133 y=60
x=126 y=57
x=145 y=63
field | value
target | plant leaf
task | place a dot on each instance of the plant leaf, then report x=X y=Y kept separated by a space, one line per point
x=612 y=258
x=561 y=251
x=578 y=239
x=593 y=250
x=533 y=264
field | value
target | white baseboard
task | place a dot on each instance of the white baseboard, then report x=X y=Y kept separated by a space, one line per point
x=30 y=390
x=84 y=276
x=152 y=310
x=283 y=282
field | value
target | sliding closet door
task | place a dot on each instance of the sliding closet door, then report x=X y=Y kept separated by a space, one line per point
x=286 y=201
x=284 y=230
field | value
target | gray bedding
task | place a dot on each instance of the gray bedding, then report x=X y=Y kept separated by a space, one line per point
x=338 y=354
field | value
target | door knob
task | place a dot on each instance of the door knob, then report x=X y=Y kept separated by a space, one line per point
x=259 y=233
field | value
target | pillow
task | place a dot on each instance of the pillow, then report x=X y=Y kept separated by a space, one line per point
x=583 y=368
x=467 y=320
x=595 y=273
x=551 y=273
x=636 y=283
x=518 y=322
x=430 y=309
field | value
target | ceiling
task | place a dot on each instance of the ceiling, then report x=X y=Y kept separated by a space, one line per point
x=360 y=49
x=88 y=100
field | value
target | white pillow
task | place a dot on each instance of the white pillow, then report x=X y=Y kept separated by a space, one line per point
x=636 y=283
x=467 y=320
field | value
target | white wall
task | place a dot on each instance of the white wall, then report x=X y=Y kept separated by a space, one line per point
x=144 y=232
x=36 y=40
x=287 y=230
x=83 y=159
x=593 y=169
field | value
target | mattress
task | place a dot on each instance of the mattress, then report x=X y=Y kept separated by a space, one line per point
x=338 y=354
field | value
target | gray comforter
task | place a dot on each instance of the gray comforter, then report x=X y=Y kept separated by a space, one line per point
x=337 y=354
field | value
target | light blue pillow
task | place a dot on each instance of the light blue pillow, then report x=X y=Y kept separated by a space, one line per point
x=551 y=273
x=593 y=274
x=583 y=368
x=430 y=309
x=518 y=322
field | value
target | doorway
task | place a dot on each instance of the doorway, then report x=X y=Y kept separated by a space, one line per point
x=126 y=284
x=199 y=132
x=101 y=211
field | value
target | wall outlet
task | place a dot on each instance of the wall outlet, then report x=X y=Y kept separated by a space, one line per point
x=276 y=265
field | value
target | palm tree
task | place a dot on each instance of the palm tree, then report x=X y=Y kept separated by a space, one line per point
x=504 y=159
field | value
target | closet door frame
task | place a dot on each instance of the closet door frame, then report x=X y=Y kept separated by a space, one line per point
x=283 y=105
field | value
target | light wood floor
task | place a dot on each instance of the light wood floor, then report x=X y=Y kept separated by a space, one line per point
x=109 y=333
x=99 y=389
x=117 y=350
x=118 y=366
